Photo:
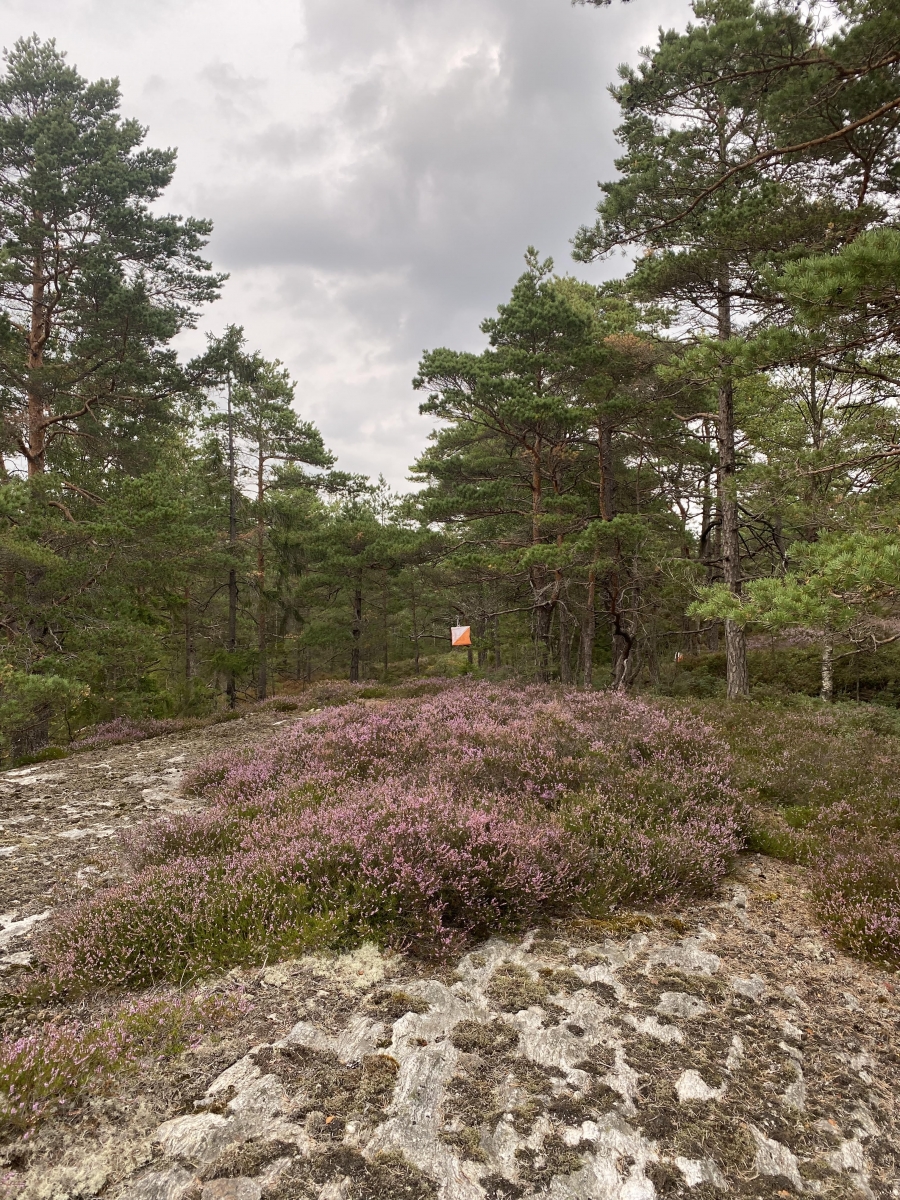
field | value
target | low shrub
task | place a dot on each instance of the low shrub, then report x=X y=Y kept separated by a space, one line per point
x=48 y=754
x=424 y=870
x=50 y=1068
x=126 y=729
x=824 y=783
x=857 y=885
x=329 y=693
x=785 y=671
x=421 y=823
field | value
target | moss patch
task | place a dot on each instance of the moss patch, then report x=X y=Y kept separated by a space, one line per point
x=512 y=988
x=330 y=1087
x=474 y=1037
x=248 y=1158
x=387 y=1176
x=554 y=1158
x=392 y=1004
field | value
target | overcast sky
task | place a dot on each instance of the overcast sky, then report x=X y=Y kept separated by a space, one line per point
x=374 y=168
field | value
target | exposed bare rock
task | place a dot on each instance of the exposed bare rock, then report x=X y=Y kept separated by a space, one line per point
x=725 y=1050
x=773 y=1158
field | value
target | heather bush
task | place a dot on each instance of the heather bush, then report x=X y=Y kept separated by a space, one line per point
x=525 y=742
x=857 y=885
x=179 y=920
x=127 y=729
x=48 y=1069
x=426 y=873
x=824 y=782
x=421 y=823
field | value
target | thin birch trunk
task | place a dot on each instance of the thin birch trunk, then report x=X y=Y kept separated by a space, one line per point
x=827 y=692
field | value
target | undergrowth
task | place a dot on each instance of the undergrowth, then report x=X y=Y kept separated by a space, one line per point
x=326 y=693
x=420 y=823
x=823 y=783
x=49 y=1069
x=424 y=820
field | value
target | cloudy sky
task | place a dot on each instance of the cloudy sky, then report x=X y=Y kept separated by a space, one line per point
x=374 y=168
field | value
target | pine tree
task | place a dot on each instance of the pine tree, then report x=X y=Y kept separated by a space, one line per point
x=689 y=115
x=94 y=284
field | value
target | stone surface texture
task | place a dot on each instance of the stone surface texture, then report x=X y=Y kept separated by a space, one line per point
x=723 y=1051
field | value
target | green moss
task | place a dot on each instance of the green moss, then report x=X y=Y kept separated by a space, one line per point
x=392 y=1004
x=48 y=754
x=475 y=1037
x=553 y=1158
x=512 y=988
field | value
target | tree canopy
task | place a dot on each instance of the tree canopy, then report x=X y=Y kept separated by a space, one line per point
x=651 y=483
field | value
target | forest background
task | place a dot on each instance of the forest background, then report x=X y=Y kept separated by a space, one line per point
x=683 y=480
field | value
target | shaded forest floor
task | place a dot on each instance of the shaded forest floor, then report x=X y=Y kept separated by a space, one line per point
x=719 y=1048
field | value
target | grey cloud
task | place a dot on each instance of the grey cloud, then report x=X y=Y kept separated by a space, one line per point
x=226 y=79
x=374 y=169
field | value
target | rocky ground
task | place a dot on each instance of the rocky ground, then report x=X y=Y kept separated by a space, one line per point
x=722 y=1051
x=56 y=818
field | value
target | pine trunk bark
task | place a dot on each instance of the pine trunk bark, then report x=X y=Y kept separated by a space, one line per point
x=543 y=608
x=35 y=448
x=231 y=688
x=262 y=682
x=565 y=659
x=415 y=627
x=589 y=631
x=738 y=680
x=357 y=634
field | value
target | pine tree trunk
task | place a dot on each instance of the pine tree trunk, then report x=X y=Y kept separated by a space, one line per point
x=738 y=680
x=565 y=662
x=415 y=626
x=37 y=340
x=543 y=609
x=496 y=632
x=709 y=543
x=231 y=689
x=606 y=489
x=589 y=631
x=263 y=680
x=188 y=639
x=262 y=684
x=357 y=634
x=384 y=623
x=543 y=621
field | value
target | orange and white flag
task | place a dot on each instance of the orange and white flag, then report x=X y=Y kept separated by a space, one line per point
x=461 y=635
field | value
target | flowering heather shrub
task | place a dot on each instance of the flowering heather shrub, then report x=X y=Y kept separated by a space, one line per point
x=47 y=1070
x=426 y=872
x=857 y=884
x=828 y=784
x=125 y=729
x=523 y=742
x=420 y=822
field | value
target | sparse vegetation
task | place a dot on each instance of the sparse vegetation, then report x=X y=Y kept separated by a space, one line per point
x=50 y=1068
